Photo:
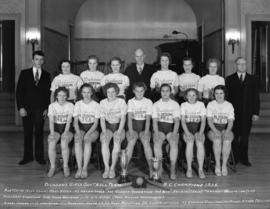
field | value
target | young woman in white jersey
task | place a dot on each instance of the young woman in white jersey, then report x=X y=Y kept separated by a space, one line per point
x=193 y=117
x=86 y=116
x=92 y=76
x=116 y=77
x=208 y=82
x=220 y=115
x=164 y=75
x=113 y=112
x=139 y=118
x=188 y=79
x=66 y=79
x=166 y=117
x=60 y=117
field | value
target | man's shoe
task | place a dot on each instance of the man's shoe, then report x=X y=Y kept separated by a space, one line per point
x=25 y=161
x=246 y=163
x=41 y=161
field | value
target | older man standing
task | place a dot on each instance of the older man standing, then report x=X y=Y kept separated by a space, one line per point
x=243 y=93
x=139 y=72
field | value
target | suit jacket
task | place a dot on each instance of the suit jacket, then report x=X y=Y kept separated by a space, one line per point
x=31 y=96
x=245 y=100
x=134 y=76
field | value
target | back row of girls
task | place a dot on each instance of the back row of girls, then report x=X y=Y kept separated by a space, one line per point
x=166 y=115
x=179 y=84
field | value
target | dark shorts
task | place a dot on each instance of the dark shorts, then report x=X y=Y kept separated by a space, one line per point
x=59 y=128
x=85 y=126
x=112 y=126
x=165 y=127
x=193 y=127
x=220 y=127
x=138 y=125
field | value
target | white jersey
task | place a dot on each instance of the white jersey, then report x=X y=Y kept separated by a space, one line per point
x=70 y=81
x=208 y=82
x=118 y=78
x=87 y=113
x=164 y=76
x=59 y=112
x=192 y=113
x=113 y=111
x=220 y=113
x=140 y=108
x=166 y=111
x=92 y=77
x=188 y=80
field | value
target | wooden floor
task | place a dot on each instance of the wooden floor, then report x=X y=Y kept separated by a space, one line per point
x=28 y=187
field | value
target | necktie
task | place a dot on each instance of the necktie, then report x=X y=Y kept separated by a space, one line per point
x=241 y=78
x=36 y=77
x=140 y=69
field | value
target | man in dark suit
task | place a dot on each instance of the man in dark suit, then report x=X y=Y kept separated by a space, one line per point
x=139 y=72
x=243 y=93
x=33 y=98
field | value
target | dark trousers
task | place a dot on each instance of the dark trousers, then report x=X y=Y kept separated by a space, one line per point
x=33 y=121
x=240 y=147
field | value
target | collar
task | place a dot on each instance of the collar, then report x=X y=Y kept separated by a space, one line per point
x=239 y=74
x=140 y=66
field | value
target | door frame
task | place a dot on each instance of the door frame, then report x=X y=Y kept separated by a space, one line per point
x=248 y=50
x=18 y=62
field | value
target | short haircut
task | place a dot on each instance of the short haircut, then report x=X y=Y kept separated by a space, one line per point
x=116 y=59
x=64 y=61
x=213 y=60
x=188 y=59
x=86 y=85
x=110 y=85
x=139 y=84
x=239 y=58
x=166 y=85
x=194 y=90
x=223 y=88
x=61 y=88
x=166 y=54
x=93 y=57
x=39 y=53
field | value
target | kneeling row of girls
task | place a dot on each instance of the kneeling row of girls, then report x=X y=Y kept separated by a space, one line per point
x=139 y=119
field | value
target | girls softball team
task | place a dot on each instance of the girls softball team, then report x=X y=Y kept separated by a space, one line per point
x=75 y=114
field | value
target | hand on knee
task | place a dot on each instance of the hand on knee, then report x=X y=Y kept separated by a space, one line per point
x=78 y=137
x=199 y=137
x=54 y=137
x=188 y=138
x=132 y=136
x=227 y=135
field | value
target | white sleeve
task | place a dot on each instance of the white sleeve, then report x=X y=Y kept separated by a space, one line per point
x=231 y=112
x=182 y=109
x=176 y=81
x=76 y=109
x=123 y=107
x=54 y=84
x=153 y=81
x=176 y=112
x=70 y=109
x=203 y=109
x=97 y=111
x=129 y=106
x=149 y=107
x=127 y=84
x=222 y=81
x=102 y=81
x=200 y=85
x=209 y=110
x=79 y=82
x=102 y=110
x=155 y=113
x=50 y=110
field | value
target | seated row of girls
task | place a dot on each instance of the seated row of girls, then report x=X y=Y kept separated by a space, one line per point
x=165 y=125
